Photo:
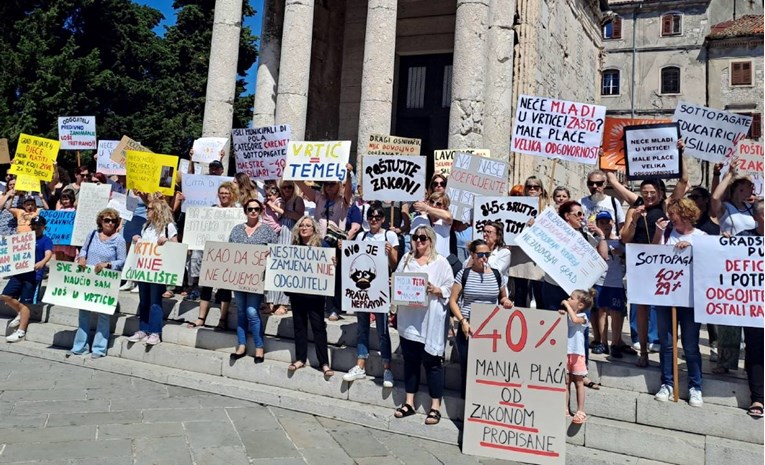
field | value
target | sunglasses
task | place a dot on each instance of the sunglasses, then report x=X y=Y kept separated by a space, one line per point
x=436 y=204
x=532 y=186
x=110 y=221
x=420 y=238
x=375 y=217
x=438 y=184
x=578 y=214
x=253 y=209
x=595 y=183
x=482 y=254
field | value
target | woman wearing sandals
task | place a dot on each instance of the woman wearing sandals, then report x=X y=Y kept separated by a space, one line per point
x=422 y=330
x=309 y=307
x=248 y=303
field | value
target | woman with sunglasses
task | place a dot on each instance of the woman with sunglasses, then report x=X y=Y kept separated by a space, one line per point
x=437 y=184
x=104 y=249
x=422 y=331
x=435 y=214
x=252 y=232
x=527 y=276
x=65 y=253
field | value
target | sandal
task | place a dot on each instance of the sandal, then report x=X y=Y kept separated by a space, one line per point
x=295 y=366
x=328 y=372
x=593 y=385
x=755 y=411
x=280 y=310
x=333 y=316
x=196 y=323
x=642 y=361
x=579 y=418
x=168 y=295
x=404 y=411
x=434 y=416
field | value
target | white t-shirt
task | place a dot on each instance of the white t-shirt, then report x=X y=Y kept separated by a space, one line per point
x=675 y=237
x=576 y=335
x=441 y=229
x=735 y=221
x=382 y=235
x=150 y=234
x=591 y=208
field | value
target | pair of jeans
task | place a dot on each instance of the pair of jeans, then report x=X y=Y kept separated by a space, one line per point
x=414 y=357
x=753 y=362
x=653 y=336
x=308 y=308
x=689 y=336
x=248 y=315
x=100 y=339
x=150 y=307
x=362 y=335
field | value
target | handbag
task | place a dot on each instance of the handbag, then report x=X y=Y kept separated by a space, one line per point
x=334 y=234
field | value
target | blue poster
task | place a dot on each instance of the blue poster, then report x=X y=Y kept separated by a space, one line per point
x=59 y=226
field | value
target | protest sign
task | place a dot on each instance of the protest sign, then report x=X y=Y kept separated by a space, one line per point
x=392 y=145
x=104 y=162
x=317 y=161
x=613 y=140
x=210 y=224
x=651 y=151
x=5 y=154
x=300 y=269
x=749 y=162
x=474 y=176
x=365 y=277
x=151 y=172
x=27 y=183
x=184 y=165
x=17 y=254
x=59 y=225
x=659 y=275
x=409 y=289
x=207 y=149
x=728 y=280
x=512 y=212
x=397 y=178
x=35 y=157
x=201 y=190
x=444 y=159
x=261 y=152
x=92 y=199
x=124 y=204
x=709 y=134
x=516 y=385
x=561 y=252
x=72 y=286
x=238 y=267
x=558 y=129
x=149 y=262
x=119 y=156
x=77 y=132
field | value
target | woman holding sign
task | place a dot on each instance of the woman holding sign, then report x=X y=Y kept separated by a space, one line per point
x=104 y=249
x=422 y=331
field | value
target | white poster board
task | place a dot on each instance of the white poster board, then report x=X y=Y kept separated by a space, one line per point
x=261 y=152
x=104 y=162
x=710 y=134
x=210 y=224
x=512 y=212
x=474 y=176
x=238 y=267
x=300 y=269
x=207 y=149
x=659 y=275
x=651 y=151
x=317 y=161
x=124 y=204
x=750 y=163
x=409 y=289
x=17 y=254
x=148 y=262
x=394 y=178
x=392 y=145
x=92 y=199
x=75 y=287
x=558 y=129
x=561 y=252
x=364 y=274
x=728 y=280
x=444 y=159
x=516 y=385
x=77 y=132
x=201 y=190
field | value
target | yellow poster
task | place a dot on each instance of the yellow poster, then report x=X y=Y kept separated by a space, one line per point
x=35 y=157
x=125 y=144
x=27 y=183
x=151 y=172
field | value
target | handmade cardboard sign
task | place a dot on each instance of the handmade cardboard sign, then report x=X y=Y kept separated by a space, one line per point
x=558 y=129
x=5 y=154
x=92 y=199
x=262 y=152
x=124 y=204
x=444 y=159
x=750 y=163
x=409 y=289
x=709 y=134
x=317 y=161
x=210 y=224
x=613 y=140
x=77 y=132
x=474 y=176
x=239 y=267
x=512 y=212
x=183 y=166
x=651 y=151
x=516 y=385
x=70 y=285
x=397 y=178
x=208 y=149
x=17 y=254
x=659 y=275
x=59 y=225
x=300 y=269
x=149 y=262
x=27 y=183
x=104 y=162
x=151 y=172
x=392 y=145
x=365 y=277
x=119 y=156
x=561 y=252
x=728 y=280
x=35 y=157
x=201 y=190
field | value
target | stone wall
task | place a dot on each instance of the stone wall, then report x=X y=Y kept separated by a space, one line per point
x=721 y=93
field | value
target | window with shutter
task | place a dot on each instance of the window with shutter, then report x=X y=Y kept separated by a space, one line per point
x=612 y=29
x=617 y=28
x=755 y=130
x=671 y=24
x=741 y=73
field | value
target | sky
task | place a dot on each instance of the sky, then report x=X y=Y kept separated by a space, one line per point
x=254 y=22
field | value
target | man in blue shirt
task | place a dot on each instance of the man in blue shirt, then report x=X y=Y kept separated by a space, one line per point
x=23 y=288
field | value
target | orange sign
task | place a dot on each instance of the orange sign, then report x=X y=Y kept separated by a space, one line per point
x=613 y=140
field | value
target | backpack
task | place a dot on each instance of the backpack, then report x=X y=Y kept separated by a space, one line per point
x=496 y=276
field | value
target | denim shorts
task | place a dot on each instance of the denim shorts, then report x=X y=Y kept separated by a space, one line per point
x=612 y=298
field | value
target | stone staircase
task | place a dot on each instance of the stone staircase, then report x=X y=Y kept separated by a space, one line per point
x=625 y=425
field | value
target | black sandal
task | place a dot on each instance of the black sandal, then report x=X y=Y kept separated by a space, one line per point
x=404 y=411
x=194 y=324
x=434 y=416
x=755 y=411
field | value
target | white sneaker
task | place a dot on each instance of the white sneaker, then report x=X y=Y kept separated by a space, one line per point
x=129 y=285
x=654 y=347
x=388 y=379
x=153 y=339
x=712 y=355
x=138 y=336
x=355 y=373
x=694 y=397
x=16 y=336
x=664 y=394
x=15 y=322
x=134 y=290
x=636 y=346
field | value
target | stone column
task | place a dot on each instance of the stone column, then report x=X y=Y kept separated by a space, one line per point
x=499 y=82
x=221 y=77
x=466 y=116
x=377 y=75
x=295 y=66
x=268 y=63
